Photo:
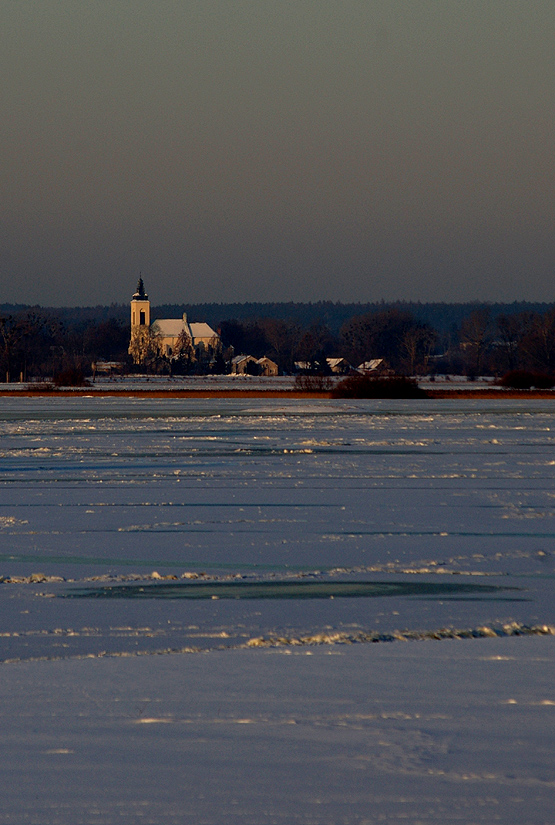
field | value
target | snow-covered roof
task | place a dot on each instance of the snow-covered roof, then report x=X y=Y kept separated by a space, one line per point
x=367 y=366
x=239 y=358
x=202 y=330
x=170 y=327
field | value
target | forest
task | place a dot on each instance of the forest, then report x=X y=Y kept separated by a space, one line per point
x=412 y=339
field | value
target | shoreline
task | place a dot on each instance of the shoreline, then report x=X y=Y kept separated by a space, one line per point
x=487 y=392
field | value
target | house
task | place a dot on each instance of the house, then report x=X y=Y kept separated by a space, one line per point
x=375 y=365
x=339 y=366
x=248 y=365
x=107 y=368
x=267 y=366
x=168 y=337
x=244 y=365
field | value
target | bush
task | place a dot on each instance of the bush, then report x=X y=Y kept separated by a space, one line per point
x=367 y=386
x=525 y=380
x=307 y=382
x=40 y=387
x=70 y=377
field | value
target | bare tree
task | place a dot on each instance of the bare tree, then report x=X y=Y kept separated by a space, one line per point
x=20 y=339
x=417 y=343
x=317 y=344
x=539 y=343
x=145 y=347
x=283 y=339
x=511 y=330
x=476 y=339
x=10 y=335
x=390 y=334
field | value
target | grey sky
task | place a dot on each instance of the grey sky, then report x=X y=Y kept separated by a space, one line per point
x=277 y=150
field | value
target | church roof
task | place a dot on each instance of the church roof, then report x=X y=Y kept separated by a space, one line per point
x=202 y=330
x=170 y=327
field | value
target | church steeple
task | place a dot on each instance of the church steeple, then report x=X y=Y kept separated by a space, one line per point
x=140 y=307
x=140 y=294
x=140 y=324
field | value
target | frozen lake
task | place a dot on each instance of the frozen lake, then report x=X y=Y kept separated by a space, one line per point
x=251 y=529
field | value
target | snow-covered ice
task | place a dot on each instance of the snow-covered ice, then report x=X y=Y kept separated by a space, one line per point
x=433 y=732
x=264 y=546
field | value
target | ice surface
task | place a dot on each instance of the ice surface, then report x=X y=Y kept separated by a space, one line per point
x=405 y=521
x=261 y=491
x=457 y=731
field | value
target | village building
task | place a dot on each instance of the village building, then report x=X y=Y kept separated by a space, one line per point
x=107 y=368
x=171 y=332
x=243 y=365
x=248 y=365
x=373 y=366
x=166 y=337
x=339 y=366
x=267 y=367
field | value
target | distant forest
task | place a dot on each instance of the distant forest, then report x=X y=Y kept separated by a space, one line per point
x=412 y=338
x=443 y=317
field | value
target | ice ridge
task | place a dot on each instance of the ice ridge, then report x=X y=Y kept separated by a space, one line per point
x=511 y=629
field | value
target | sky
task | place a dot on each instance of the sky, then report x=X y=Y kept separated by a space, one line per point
x=277 y=150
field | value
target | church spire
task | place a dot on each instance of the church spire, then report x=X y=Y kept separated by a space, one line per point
x=140 y=310
x=140 y=294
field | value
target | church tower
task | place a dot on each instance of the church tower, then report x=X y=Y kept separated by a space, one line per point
x=140 y=344
x=140 y=308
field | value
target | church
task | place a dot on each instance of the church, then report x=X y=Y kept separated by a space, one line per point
x=170 y=338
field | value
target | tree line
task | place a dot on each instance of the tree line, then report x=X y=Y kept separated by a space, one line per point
x=40 y=344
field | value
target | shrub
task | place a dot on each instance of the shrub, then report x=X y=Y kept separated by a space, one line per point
x=40 y=387
x=307 y=382
x=70 y=377
x=368 y=386
x=525 y=380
